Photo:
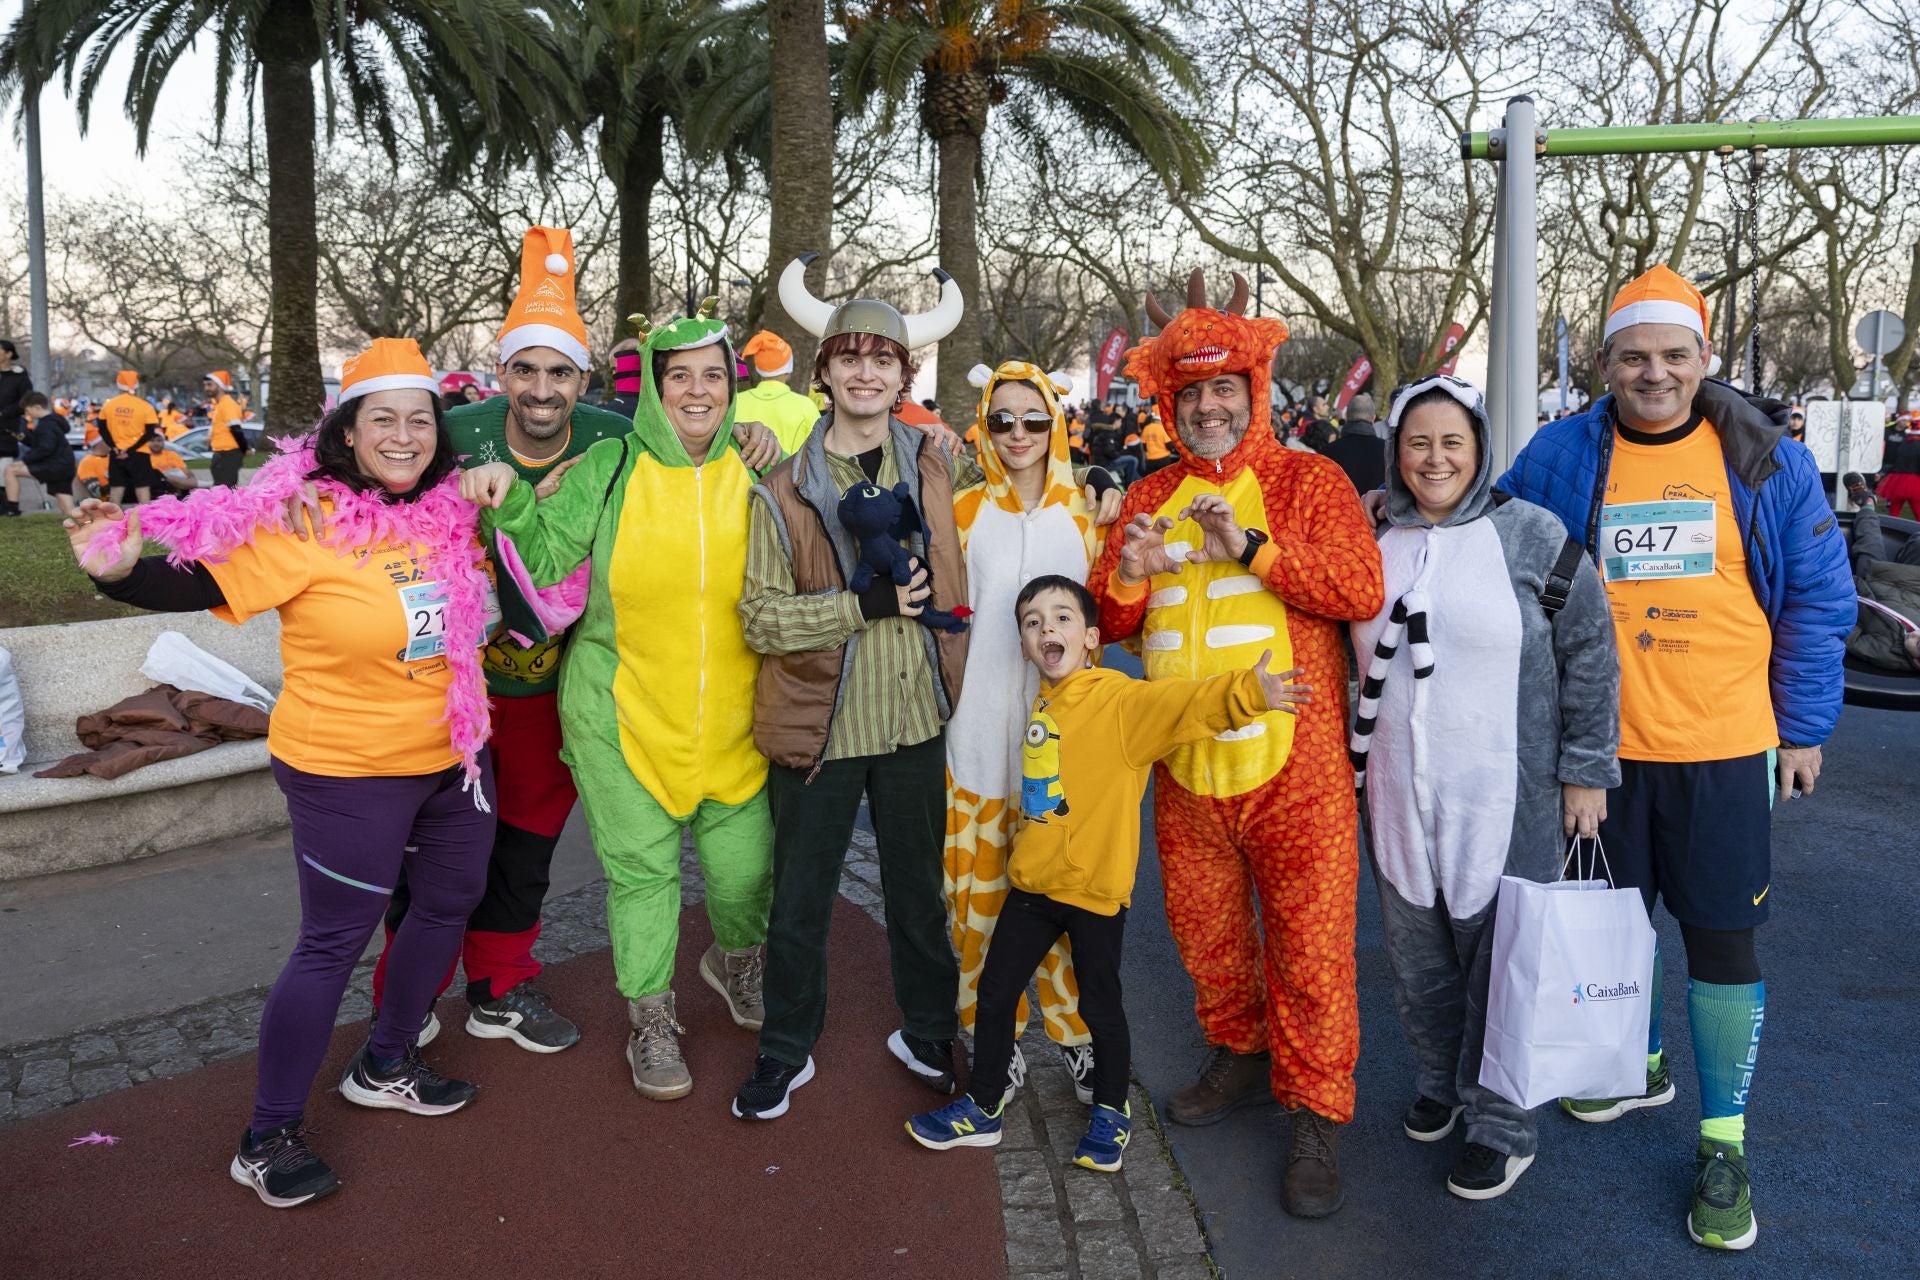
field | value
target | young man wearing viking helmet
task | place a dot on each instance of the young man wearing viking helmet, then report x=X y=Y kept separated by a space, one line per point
x=1243 y=545
x=854 y=692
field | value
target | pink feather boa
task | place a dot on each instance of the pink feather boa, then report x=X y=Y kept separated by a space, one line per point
x=209 y=524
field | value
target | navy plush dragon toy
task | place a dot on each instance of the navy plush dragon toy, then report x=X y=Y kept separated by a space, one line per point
x=880 y=520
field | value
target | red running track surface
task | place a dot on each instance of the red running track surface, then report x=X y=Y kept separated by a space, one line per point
x=557 y=1169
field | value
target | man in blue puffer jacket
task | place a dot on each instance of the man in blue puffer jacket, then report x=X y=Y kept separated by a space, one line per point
x=1731 y=600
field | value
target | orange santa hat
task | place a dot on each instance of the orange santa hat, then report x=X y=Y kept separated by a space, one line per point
x=127 y=379
x=545 y=312
x=1661 y=296
x=770 y=354
x=390 y=364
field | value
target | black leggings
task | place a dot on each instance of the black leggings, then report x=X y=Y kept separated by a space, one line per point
x=1029 y=925
x=1724 y=957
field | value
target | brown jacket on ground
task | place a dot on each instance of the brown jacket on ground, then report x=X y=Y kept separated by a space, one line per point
x=160 y=724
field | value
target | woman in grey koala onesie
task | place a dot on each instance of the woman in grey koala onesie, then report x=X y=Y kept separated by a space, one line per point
x=1484 y=736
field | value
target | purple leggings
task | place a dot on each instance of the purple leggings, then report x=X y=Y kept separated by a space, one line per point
x=351 y=837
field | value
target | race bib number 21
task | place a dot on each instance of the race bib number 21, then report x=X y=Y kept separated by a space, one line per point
x=1645 y=540
x=426 y=614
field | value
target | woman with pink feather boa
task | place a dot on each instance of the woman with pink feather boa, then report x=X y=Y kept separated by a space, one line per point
x=379 y=736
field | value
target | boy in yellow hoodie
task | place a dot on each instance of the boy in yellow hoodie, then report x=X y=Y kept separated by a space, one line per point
x=1089 y=748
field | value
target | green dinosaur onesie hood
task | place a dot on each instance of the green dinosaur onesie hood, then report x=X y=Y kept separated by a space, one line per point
x=650 y=426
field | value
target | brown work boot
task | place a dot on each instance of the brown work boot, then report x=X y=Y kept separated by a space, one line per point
x=1227 y=1082
x=1312 y=1185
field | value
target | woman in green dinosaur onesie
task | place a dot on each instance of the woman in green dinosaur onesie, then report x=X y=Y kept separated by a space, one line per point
x=656 y=694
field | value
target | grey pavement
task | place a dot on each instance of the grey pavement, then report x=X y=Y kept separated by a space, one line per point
x=1831 y=1132
x=160 y=967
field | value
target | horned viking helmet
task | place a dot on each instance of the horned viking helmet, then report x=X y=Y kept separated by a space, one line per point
x=868 y=315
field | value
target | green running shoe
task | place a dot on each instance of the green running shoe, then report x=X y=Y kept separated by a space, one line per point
x=1722 y=1216
x=1600 y=1110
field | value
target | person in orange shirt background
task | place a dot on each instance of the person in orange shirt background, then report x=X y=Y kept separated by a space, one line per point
x=227 y=438
x=1154 y=442
x=173 y=423
x=171 y=468
x=129 y=423
x=90 y=476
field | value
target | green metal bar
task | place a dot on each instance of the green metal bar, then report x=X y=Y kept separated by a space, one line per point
x=1859 y=131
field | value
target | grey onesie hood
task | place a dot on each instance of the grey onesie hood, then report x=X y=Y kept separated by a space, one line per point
x=1478 y=500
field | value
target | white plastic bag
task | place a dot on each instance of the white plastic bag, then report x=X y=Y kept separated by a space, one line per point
x=13 y=718
x=1570 y=991
x=173 y=659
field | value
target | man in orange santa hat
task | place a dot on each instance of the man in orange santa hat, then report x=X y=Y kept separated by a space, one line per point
x=1242 y=545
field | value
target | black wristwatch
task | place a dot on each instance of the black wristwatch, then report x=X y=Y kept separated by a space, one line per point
x=1256 y=539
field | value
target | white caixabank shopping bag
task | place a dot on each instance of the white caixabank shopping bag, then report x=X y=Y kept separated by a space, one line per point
x=1570 y=991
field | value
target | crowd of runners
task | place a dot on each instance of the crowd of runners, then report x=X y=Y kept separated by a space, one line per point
x=736 y=609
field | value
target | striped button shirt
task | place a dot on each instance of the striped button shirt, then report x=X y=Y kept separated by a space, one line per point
x=888 y=697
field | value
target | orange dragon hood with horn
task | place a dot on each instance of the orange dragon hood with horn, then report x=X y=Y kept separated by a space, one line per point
x=1201 y=342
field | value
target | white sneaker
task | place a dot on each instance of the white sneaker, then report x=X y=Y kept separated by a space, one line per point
x=1079 y=1059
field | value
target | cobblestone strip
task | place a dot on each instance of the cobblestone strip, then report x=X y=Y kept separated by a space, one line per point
x=1063 y=1222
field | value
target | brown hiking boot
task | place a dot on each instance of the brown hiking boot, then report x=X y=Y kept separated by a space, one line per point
x=737 y=975
x=653 y=1050
x=1312 y=1185
x=1227 y=1082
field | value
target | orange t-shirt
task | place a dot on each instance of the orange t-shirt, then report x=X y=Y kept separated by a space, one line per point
x=226 y=411
x=92 y=467
x=168 y=460
x=1153 y=437
x=363 y=653
x=174 y=424
x=127 y=418
x=1694 y=642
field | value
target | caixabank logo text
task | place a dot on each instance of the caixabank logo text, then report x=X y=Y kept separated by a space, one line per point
x=1585 y=991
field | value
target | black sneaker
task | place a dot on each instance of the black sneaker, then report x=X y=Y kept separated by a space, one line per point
x=931 y=1061
x=1428 y=1121
x=1080 y=1067
x=280 y=1168
x=1484 y=1174
x=524 y=1017
x=764 y=1096
x=411 y=1086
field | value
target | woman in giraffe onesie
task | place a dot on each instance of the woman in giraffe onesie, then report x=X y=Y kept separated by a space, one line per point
x=1027 y=517
x=1243 y=545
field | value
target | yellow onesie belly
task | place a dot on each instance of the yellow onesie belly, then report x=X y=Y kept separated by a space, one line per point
x=1210 y=618
x=684 y=688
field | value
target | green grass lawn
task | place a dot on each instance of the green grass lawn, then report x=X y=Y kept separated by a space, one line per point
x=39 y=582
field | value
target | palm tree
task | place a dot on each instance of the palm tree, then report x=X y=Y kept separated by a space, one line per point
x=492 y=59
x=641 y=62
x=1097 y=63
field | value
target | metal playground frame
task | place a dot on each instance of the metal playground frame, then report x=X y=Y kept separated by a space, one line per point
x=1513 y=357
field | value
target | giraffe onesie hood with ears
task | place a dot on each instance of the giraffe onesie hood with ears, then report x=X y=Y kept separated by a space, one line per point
x=1266 y=813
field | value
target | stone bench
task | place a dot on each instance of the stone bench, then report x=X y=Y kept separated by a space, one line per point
x=66 y=671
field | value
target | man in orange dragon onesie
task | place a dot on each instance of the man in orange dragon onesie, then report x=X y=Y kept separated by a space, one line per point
x=1244 y=545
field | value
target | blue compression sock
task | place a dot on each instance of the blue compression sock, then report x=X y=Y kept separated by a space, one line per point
x=1726 y=1023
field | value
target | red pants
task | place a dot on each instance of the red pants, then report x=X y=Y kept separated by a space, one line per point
x=1285 y=981
x=534 y=794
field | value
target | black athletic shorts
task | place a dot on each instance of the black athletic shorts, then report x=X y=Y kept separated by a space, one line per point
x=1698 y=835
x=135 y=470
x=53 y=479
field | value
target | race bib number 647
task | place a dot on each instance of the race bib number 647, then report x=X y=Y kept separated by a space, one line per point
x=1668 y=539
